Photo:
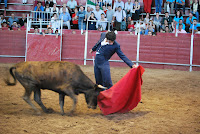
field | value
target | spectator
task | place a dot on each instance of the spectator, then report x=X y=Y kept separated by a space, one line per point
x=157 y=22
x=24 y=26
x=104 y=9
x=98 y=2
x=147 y=18
x=180 y=29
x=92 y=25
x=81 y=18
x=71 y=4
x=117 y=4
x=169 y=4
x=136 y=10
x=64 y=6
x=74 y=19
x=180 y=23
x=180 y=4
x=39 y=8
x=158 y=4
x=109 y=13
x=50 y=2
x=22 y=20
x=5 y=25
x=55 y=9
x=131 y=26
x=14 y=26
x=98 y=12
x=5 y=2
x=2 y=19
x=47 y=10
x=189 y=21
x=66 y=18
x=167 y=17
x=37 y=1
x=101 y=24
x=120 y=16
x=128 y=8
x=55 y=23
x=36 y=30
x=150 y=27
x=49 y=30
x=23 y=1
x=12 y=19
x=141 y=25
x=195 y=6
x=88 y=13
x=195 y=25
x=163 y=26
x=178 y=16
x=147 y=6
x=107 y=2
x=167 y=30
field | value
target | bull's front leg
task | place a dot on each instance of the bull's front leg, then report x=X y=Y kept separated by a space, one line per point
x=61 y=102
x=70 y=93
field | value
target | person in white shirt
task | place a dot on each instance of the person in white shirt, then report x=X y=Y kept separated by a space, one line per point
x=117 y=4
x=55 y=23
x=105 y=2
x=128 y=8
x=120 y=16
x=102 y=23
x=54 y=9
x=71 y=4
x=98 y=12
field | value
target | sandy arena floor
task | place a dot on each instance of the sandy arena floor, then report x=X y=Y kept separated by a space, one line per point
x=171 y=105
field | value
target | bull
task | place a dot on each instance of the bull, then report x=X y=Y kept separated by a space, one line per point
x=62 y=77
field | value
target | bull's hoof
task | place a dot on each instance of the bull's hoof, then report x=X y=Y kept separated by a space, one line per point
x=38 y=113
x=49 y=110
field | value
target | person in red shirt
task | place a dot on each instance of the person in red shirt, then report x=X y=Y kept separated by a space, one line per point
x=75 y=20
x=104 y=9
x=131 y=26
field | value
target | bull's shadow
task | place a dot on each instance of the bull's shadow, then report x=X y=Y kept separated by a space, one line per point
x=123 y=116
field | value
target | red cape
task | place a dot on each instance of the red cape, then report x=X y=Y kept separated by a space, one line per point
x=124 y=95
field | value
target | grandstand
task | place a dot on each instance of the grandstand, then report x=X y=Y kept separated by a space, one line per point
x=165 y=50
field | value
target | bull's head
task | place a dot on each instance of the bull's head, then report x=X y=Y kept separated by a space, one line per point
x=91 y=96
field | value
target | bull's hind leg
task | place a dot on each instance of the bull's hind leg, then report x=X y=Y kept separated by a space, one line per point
x=26 y=98
x=37 y=98
x=61 y=102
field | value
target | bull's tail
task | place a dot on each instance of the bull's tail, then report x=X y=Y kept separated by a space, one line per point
x=7 y=81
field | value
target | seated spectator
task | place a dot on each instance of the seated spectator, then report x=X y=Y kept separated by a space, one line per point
x=71 y=4
x=131 y=26
x=66 y=18
x=49 y=30
x=24 y=26
x=54 y=9
x=180 y=29
x=2 y=18
x=136 y=10
x=147 y=18
x=150 y=27
x=195 y=8
x=120 y=16
x=40 y=9
x=88 y=12
x=157 y=21
x=74 y=19
x=5 y=2
x=128 y=8
x=189 y=21
x=55 y=22
x=163 y=26
x=12 y=19
x=47 y=10
x=140 y=27
x=5 y=25
x=109 y=14
x=178 y=16
x=180 y=4
x=24 y=1
x=169 y=4
x=37 y=1
x=98 y=12
x=92 y=25
x=14 y=26
x=36 y=30
x=167 y=17
x=81 y=18
x=180 y=23
x=117 y=4
x=158 y=4
x=22 y=20
x=101 y=24
x=64 y=6
x=50 y=2
x=167 y=30
x=147 y=6
x=195 y=26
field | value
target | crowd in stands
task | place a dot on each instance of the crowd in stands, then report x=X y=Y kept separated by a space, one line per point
x=119 y=16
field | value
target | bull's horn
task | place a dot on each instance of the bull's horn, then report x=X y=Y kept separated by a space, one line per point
x=102 y=87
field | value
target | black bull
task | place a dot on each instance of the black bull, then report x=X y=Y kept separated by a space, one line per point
x=64 y=78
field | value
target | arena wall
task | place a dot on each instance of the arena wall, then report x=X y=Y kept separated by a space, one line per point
x=163 y=48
